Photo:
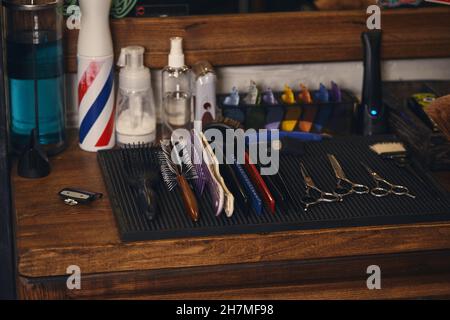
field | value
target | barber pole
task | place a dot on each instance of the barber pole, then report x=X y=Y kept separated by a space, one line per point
x=96 y=103
x=96 y=77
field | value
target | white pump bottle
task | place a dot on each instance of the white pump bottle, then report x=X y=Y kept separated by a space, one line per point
x=136 y=121
x=95 y=77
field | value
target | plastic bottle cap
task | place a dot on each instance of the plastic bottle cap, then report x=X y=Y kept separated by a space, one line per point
x=133 y=75
x=176 y=56
x=201 y=68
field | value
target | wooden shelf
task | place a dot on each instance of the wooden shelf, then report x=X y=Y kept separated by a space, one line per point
x=322 y=263
x=273 y=38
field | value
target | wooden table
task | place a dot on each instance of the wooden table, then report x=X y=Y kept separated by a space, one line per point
x=330 y=264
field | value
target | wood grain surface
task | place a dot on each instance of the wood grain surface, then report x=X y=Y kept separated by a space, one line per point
x=51 y=236
x=273 y=38
x=408 y=275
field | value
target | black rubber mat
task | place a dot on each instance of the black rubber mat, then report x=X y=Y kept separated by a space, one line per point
x=432 y=202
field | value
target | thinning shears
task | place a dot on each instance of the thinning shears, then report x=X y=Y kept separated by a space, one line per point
x=344 y=186
x=384 y=188
x=314 y=195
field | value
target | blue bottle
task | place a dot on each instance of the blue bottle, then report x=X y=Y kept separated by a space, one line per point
x=35 y=74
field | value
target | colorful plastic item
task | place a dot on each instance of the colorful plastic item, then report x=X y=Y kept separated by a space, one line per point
x=335 y=93
x=325 y=112
x=233 y=100
x=292 y=114
x=275 y=113
x=256 y=116
x=309 y=113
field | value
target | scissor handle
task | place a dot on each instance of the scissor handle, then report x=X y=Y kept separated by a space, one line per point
x=329 y=197
x=351 y=188
x=401 y=191
x=380 y=192
x=343 y=192
x=360 y=188
x=308 y=201
x=343 y=188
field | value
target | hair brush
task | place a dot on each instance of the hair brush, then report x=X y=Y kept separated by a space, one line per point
x=176 y=169
x=142 y=177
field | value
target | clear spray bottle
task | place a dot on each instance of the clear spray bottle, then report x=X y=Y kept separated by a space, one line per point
x=176 y=91
x=136 y=121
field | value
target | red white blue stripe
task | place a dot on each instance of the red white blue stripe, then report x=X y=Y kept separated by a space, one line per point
x=96 y=103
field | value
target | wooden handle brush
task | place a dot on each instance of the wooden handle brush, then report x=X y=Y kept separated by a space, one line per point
x=189 y=200
x=176 y=169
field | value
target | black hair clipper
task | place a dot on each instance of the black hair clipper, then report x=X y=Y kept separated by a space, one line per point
x=371 y=113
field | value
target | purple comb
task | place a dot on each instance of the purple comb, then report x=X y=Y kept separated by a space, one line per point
x=208 y=179
x=336 y=93
x=197 y=158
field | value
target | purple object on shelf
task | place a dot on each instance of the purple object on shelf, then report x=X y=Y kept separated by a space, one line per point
x=335 y=92
x=276 y=113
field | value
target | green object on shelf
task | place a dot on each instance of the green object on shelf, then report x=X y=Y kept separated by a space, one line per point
x=119 y=8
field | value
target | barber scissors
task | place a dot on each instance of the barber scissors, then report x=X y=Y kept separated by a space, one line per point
x=344 y=186
x=313 y=194
x=384 y=188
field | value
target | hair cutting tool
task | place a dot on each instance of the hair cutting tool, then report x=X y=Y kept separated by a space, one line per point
x=256 y=115
x=260 y=185
x=275 y=112
x=177 y=173
x=141 y=177
x=335 y=92
x=314 y=195
x=325 y=112
x=233 y=101
x=371 y=113
x=384 y=188
x=344 y=186
x=253 y=97
x=309 y=113
x=292 y=113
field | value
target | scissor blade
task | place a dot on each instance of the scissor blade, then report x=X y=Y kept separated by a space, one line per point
x=338 y=171
x=306 y=177
x=370 y=171
x=303 y=171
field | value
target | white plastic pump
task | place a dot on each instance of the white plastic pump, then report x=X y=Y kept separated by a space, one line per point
x=176 y=56
x=136 y=122
x=133 y=75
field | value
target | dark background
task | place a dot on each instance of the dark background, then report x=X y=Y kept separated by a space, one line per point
x=7 y=260
x=204 y=7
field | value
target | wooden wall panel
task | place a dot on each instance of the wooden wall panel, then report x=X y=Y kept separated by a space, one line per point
x=281 y=37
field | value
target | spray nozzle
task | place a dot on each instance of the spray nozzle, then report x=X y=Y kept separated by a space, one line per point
x=176 y=56
x=131 y=57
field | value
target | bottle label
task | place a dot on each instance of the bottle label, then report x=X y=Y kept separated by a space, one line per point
x=96 y=103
